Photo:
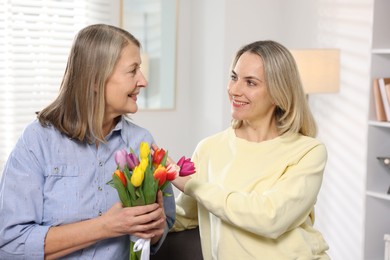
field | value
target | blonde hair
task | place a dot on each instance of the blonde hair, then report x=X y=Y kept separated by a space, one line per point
x=284 y=85
x=78 y=110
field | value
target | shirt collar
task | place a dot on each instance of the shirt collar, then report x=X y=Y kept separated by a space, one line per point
x=121 y=128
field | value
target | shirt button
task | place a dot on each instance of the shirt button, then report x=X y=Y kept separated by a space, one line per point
x=100 y=213
x=100 y=188
x=100 y=164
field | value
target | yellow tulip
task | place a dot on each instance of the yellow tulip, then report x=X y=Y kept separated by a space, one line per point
x=144 y=163
x=137 y=177
x=144 y=150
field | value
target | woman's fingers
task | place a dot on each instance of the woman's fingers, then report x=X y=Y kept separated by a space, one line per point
x=169 y=159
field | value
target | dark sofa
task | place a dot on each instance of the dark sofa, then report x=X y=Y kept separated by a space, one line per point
x=183 y=245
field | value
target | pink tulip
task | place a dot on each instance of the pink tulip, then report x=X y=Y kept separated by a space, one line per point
x=172 y=171
x=132 y=161
x=120 y=158
x=186 y=166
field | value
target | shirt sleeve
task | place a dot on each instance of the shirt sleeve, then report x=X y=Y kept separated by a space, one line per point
x=272 y=212
x=21 y=205
x=169 y=208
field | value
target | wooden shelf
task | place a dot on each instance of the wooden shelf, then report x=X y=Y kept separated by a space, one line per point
x=379 y=123
x=380 y=51
x=377 y=204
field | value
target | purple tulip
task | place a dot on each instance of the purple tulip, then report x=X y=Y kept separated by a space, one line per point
x=120 y=158
x=132 y=161
x=186 y=166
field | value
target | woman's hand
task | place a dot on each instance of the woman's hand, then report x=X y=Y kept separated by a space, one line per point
x=146 y=222
x=179 y=182
x=159 y=230
x=142 y=221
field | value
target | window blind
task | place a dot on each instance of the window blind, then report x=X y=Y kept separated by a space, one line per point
x=35 y=39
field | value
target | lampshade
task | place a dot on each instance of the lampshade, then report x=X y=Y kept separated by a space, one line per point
x=319 y=69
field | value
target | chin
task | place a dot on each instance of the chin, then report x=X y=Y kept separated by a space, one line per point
x=236 y=116
x=133 y=111
x=133 y=108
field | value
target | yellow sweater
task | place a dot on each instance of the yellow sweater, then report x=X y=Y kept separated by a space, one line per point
x=255 y=200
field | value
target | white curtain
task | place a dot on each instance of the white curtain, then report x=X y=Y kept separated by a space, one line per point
x=35 y=39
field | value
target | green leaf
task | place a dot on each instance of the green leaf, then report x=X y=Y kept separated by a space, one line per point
x=122 y=191
x=130 y=187
x=166 y=194
x=162 y=188
x=164 y=159
x=111 y=183
x=140 y=197
x=149 y=186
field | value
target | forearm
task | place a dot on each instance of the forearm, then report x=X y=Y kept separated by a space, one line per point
x=63 y=240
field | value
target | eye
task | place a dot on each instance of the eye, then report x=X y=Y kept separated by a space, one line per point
x=134 y=71
x=233 y=77
x=251 y=83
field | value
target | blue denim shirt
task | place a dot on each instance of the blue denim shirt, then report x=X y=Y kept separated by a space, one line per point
x=50 y=180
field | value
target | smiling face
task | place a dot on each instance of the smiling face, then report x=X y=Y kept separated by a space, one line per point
x=124 y=84
x=248 y=93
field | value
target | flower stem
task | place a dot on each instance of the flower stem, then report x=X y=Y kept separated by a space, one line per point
x=134 y=255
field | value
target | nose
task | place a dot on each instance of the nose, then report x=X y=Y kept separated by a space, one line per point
x=234 y=88
x=142 y=82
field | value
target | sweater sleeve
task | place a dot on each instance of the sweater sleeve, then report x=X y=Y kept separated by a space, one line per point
x=186 y=209
x=271 y=212
x=186 y=213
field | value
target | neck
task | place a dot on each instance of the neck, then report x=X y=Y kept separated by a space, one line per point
x=257 y=132
x=108 y=125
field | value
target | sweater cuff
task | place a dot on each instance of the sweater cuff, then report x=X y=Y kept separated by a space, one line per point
x=191 y=187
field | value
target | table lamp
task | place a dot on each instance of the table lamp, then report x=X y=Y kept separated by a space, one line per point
x=319 y=69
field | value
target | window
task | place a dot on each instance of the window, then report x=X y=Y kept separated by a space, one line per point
x=35 y=39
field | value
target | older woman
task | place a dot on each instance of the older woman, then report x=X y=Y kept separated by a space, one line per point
x=54 y=197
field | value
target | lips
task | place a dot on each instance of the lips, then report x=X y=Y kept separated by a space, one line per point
x=133 y=96
x=238 y=103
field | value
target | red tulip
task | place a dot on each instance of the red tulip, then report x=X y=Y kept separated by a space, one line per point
x=158 y=155
x=160 y=174
x=121 y=176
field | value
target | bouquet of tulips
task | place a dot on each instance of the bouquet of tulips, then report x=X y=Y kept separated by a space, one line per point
x=137 y=181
